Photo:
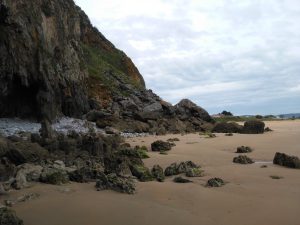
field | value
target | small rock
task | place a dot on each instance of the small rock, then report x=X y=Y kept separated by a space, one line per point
x=229 y=134
x=243 y=159
x=244 y=149
x=173 y=139
x=158 y=173
x=268 y=129
x=181 y=180
x=263 y=166
x=215 y=182
x=159 y=146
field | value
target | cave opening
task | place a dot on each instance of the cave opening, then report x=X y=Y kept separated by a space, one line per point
x=22 y=101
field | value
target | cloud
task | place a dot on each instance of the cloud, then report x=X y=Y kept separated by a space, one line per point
x=222 y=54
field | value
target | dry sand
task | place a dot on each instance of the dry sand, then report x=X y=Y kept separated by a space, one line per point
x=251 y=197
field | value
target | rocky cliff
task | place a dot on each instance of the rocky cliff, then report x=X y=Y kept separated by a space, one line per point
x=53 y=62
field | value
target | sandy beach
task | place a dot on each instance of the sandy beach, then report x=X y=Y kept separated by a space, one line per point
x=250 y=197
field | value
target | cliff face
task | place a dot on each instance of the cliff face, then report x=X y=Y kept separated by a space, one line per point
x=53 y=61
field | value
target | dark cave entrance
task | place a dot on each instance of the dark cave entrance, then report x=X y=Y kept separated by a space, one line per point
x=22 y=101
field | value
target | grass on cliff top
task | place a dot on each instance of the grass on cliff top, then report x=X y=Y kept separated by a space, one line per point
x=107 y=68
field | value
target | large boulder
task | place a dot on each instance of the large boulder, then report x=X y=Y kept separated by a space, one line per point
x=226 y=127
x=8 y=217
x=186 y=109
x=283 y=159
x=116 y=183
x=161 y=146
x=253 y=127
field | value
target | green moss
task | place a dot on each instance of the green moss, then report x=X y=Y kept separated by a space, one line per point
x=107 y=67
x=57 y=178
x=142 y=173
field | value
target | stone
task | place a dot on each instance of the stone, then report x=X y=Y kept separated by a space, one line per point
x=8 y=217
x=183 y=167
x=215 y=182
x=181 y=180
x=116 y=183
x=171 y=170
x=243 y=159
x=173 y=139
x=141 y=172
x=194 y=172
x=244 y=149
x=60 y=165
x=159 y=145
x=25 y=174
x=225 y=127
x=268 y=129
x=158 y=173
x=283 y=159
x=253 y=127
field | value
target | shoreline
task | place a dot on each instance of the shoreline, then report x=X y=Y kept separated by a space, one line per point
x=250 y=196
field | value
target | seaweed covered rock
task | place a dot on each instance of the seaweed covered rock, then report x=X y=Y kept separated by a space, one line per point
x=215 y=182
x=9 y=217
x=141 y=172
x=158 y=173
x=171 y=170
x=85 y=174
x=161 y=146
x=283 y=159
x=181 y=180
x=194 y=172
x=227 y=127
x=244 y=149
x=116 y=183
x=253 y=127
x=182 y=167
x=243 y=159
x=54 y=176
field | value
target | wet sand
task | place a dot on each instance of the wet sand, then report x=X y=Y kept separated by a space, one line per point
x=250 y=197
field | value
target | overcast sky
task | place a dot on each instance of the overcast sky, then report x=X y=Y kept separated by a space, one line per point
x=236 y=55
